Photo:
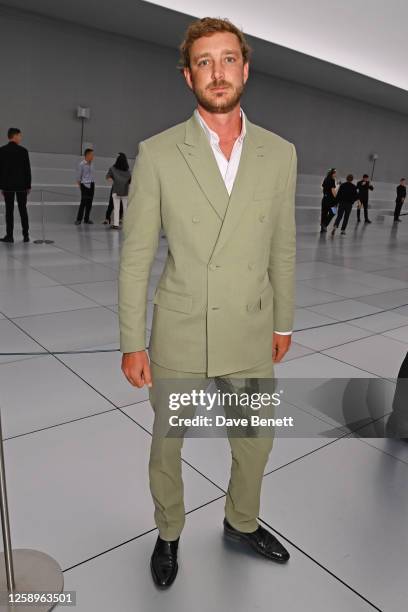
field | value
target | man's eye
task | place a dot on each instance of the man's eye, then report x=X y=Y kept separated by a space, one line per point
x=203 y=62
x=230 y=59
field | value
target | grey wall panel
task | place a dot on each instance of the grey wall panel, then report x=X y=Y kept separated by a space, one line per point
x=134 y=90
x=331 y=130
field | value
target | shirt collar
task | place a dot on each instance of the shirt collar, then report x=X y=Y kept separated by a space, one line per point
x=213 y=136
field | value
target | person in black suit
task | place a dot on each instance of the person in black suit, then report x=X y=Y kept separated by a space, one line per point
x=15 y=181
x=347 y=194
x=363 y=188
x=401 y=195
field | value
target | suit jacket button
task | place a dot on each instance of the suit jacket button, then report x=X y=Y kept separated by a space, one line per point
x=251 y=266
x=262 y=218
x=196 y=219
x=212 y=266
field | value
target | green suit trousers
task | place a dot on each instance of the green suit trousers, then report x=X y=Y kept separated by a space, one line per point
x=249 y=454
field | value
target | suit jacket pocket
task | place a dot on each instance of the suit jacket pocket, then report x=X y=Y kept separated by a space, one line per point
x=263 y=300
x=180 y=302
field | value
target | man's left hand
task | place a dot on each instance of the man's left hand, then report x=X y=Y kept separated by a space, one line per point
x=280 y=346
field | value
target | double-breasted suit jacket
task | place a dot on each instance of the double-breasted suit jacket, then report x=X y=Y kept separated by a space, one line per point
x=228 y=282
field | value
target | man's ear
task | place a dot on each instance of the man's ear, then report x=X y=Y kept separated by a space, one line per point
x=246 y=71
x=187 y=76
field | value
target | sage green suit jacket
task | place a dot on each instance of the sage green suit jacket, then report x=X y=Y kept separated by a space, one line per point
x=228 y=282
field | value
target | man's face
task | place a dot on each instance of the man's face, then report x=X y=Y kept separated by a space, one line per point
x=89 y=156
x=17 y=138
x=217 y=72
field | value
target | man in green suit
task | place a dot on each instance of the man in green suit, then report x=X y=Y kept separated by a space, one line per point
x=223 y=191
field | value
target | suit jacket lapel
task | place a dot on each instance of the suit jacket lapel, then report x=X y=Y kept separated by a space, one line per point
x=198 y=154
x=251 y=165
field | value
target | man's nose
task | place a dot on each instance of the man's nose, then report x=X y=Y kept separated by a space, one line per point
x=218 y=71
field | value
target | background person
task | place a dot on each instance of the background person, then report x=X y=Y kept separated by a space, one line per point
x=119 y=175
x=363 y=188
x=401 y=195
x=329 y=199
x=109 y=209
x=86 y=183
x=346 y=196
x=15 y=182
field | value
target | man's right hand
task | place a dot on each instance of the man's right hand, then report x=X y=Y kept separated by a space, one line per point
x=136 y=368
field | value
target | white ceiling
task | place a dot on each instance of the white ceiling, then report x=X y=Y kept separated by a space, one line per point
x=367 y=36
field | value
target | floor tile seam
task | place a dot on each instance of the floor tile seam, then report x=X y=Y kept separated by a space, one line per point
x=323 y=567
x=153 y=529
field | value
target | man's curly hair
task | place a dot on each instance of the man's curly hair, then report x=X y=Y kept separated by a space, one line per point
x=206 y=27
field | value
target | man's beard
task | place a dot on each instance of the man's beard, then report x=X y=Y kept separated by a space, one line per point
x=223 y=106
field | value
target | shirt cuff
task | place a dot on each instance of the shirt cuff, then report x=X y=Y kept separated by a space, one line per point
x=287 y=333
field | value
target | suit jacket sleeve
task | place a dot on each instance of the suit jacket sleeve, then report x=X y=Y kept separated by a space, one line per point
x=282 y=257
x=27 y=169
x=141 y=228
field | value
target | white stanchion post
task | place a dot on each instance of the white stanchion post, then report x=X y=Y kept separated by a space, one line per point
x=22 y=570
x=43 y=240
x=5 y=524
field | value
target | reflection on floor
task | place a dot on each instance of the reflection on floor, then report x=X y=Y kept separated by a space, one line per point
x=77 y=435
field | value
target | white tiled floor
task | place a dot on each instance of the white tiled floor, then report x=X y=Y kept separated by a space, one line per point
x=77 y=435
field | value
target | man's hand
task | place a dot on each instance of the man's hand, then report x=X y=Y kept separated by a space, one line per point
x=280 y=346
x=136 y=368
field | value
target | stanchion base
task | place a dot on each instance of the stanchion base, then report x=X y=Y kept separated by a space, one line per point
x=34 y=572
x=43 y=241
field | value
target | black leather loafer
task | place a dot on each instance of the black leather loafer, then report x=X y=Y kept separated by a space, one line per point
x=163 y=563
x=261 y=540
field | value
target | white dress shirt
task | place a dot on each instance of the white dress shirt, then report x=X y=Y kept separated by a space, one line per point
x=228 y=167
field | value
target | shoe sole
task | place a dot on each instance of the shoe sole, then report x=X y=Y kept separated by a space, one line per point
x=236 y=537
